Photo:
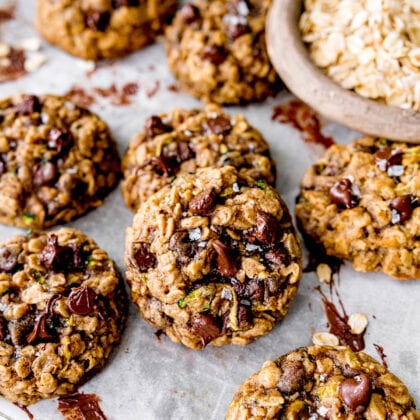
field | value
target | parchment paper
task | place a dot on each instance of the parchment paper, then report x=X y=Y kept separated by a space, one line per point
x=148 y=379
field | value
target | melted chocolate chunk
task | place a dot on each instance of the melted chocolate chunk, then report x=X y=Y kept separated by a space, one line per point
x=81 y=301
x=277 y=256
x=145 y=258
x=97 y=20
x=404 y=205
x=254 y=290
x=81 y=407
x=203 y=203
x=2 y=328
x=184 y=151
x=341 y=194
x=244 y=315
x=215 y=54
x=40 y=331
x=185 y=249
x=58 y=258
x=267 y=230
x=190 y=13
x=206 y=327
x=227 y=259
x=20 y=328
x=8 y=259
x=355 y=392
x=155 y=126
x=59 y=140
x=387 y=157
x=44 y=174
x=217 y=125
x=29 y=104
x=292 y=378
x=164 y=165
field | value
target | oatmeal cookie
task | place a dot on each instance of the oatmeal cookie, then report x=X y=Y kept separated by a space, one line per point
x=183 y=141
x=62 y=310
x=361 y=202
x=323 y=382
x=102 y=29
x=213 y=258
x=57 y=161
x=217 y=51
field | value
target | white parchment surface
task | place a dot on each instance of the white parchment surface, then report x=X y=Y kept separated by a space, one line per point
x=148 y=379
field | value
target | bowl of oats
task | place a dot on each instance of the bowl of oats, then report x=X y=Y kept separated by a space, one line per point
x=356 y=62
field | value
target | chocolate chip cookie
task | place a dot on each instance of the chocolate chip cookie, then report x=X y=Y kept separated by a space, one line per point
x=98 y=29
x=217 y=51
x=323 y=382
x=62 y=310
x=362 y=203
x=57 y=161
x=182 y=141
x=213 y=258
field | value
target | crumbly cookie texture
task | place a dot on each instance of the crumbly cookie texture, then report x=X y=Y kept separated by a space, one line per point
x=183 y=141
x=323 y=382
x=213 y=259
x=217 y=51
x=62 y=310
x=102 y=29
x=57 y=161
x=361 y=202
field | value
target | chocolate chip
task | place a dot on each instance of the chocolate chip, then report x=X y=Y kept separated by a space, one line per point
x=20 y=328
x=29 y=104
x=59 y=139
x=292 y=378
x=124 y=3
x=235 y=28
x=144 y=257
x=204 y=202
x=273 y=284
x=184 y=248
x=44 y=173
x=341 y=194
x=8 y=259
x=57 y=258
x=355 y=392
x=217 y=125
x=227 y=259
x=205 y=326
x=277 y=256
x=81 y=301
x=386 y=157
x=267 y=229
x=164 y=165
x=190 y=13
x=97 y=20
x=404 y=205
x=215 y=54
x=155 y=126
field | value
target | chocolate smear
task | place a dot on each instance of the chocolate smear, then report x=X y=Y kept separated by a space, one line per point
x=337 y=323
x=205 y=326
x=355 y=392
x=382 y=354
x=7 y=13
x=304 y=119
x=81 y=407
x=81 y=300
x=25 y=409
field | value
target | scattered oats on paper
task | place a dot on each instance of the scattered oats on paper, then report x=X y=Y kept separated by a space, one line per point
x=369 y=46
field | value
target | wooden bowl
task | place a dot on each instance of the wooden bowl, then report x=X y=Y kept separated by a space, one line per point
x=292 y=62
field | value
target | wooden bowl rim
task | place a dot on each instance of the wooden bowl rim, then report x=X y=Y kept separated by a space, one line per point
x=293 y=64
